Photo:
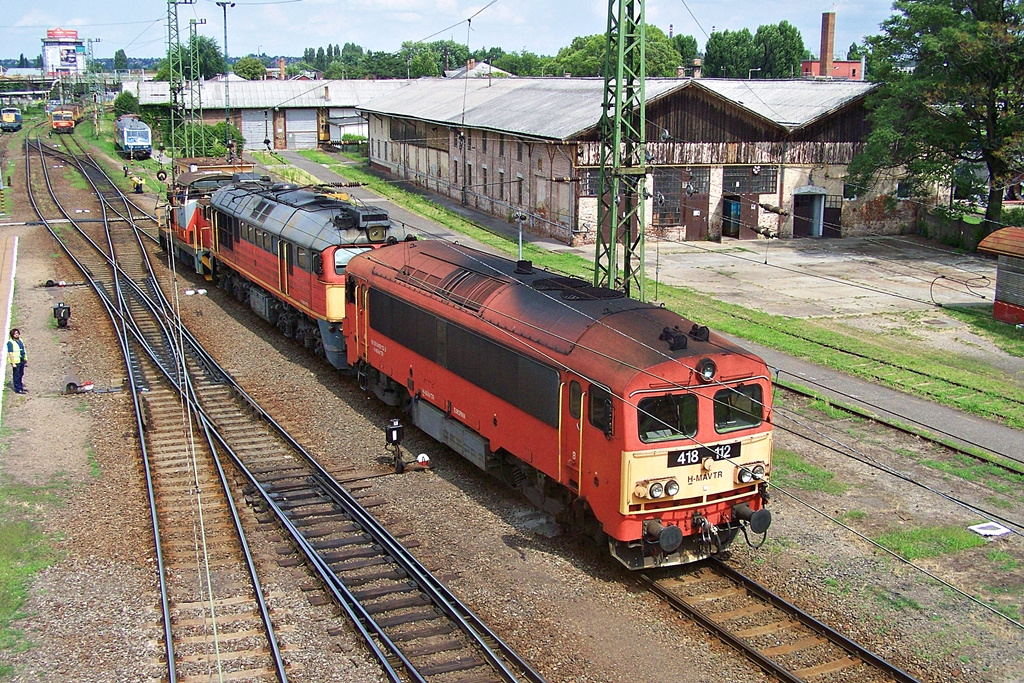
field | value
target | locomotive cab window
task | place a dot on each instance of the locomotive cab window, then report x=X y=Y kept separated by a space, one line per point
x=575 y=399
x=738 y=407
x=342 y=256
x=662 y=418
x=601 y=409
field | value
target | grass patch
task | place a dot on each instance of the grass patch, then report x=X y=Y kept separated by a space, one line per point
x=94 y=463
x=986 y=474
x=915 y=544
x=24 y=550
x=894 y=600
x=789 y=469
x=825 y=407
x=1003 y=560
x=1004 y=335
x=854 y=515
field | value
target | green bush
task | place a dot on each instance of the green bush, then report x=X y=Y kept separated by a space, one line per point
x=1014 y=216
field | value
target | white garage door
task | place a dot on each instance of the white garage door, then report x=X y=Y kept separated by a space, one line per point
x=257 y=126
x=300 y=126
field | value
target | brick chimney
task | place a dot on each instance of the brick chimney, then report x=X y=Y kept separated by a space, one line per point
x=828 y=43
x=280 y=65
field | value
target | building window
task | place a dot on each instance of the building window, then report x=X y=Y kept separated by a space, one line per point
x=540 y=164
x=519 y=183
x=485 y=180
x=469 y=176
x=455 y=174
x=849 y=191
x=755 y=179
x=483 y=143
x=519 y=150
x=591 y=183
x=501 y=145
x=469 y=139
x=501 y=185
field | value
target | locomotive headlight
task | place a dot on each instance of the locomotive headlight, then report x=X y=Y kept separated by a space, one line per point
x=656 y=490
x=671 y=487
x=744 y=475
x=640 y=491
x=706 y=369
x=758 y=471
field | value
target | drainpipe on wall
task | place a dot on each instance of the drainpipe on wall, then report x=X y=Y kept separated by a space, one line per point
x=782 y=187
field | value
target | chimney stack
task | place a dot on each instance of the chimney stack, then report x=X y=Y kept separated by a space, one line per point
x=280 y=65
x=828 y=43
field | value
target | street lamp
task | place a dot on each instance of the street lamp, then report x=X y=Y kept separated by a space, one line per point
x=750 y=72
x=227 y=100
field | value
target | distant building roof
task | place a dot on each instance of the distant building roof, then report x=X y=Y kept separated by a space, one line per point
x=1004 y=242
x=564 y=108
x=478 y=70
x=24 y=72
x=267 y=94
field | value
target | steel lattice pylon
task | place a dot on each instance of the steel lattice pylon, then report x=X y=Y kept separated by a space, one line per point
x=620 y=212
x=175 y=76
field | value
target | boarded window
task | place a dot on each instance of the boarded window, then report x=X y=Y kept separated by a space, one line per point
x=750 y=179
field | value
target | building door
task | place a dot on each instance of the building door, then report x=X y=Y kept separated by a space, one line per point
x=807 y=214
x=257 y=126
x=302 y=128
x=731 y=216
x=832 y=223
x=696 y=202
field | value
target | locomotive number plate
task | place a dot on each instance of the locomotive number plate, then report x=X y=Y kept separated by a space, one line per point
x=694 y=456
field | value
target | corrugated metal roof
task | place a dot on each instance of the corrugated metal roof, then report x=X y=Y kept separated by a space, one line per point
x=1004 y=242
x=273 y=93
x=561 y=108
x=790 y=103
x=553 y=108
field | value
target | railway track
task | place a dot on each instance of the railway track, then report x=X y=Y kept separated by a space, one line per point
x=411 y=623
x=784 y=641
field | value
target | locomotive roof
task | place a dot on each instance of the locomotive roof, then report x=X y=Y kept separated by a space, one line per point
x=130 y=123
x=303 y=217
x=606 y=334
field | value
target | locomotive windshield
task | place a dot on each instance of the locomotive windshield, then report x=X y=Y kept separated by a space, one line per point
x=343 y=255
x=672 y=416
x=738 y=407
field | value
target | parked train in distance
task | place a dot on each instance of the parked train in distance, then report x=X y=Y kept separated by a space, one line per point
x=132 y=137
x=65 y=117
x=618 y=417
x=10 y=119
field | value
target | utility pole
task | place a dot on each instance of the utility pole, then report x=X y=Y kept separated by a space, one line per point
x=620 y=211
x=227 y=70
x=176 y=75
x=194 y=132
x=94 y=85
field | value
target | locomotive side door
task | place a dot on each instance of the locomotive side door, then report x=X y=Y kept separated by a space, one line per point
x=284 y=265
x=570 y=434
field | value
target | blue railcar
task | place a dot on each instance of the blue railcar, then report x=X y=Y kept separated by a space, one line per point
x=133 y=138
x=10 y=119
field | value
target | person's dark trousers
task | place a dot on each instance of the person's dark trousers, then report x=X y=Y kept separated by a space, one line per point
x=17 y=376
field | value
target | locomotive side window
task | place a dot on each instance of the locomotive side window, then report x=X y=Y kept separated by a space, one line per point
x=302 y=258
x=661 y=418
x=575 y=399
x=738 y=407
x=343 y=256
x=601 y=409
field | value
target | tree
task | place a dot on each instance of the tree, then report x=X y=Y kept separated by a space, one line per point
x=953 y=92
x=250 y=68
x=126 y=103
x=779 y=50
x=120 y=61
x=585 y=56
x=854 y=53
x=686 y=46
x=522 y=64
x=22 y=62
x=729 y=54
x=211 y=61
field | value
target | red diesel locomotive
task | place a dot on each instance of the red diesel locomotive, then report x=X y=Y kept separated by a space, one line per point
x=620 y=417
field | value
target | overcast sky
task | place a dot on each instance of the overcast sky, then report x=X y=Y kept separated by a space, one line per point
x=287 y=27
